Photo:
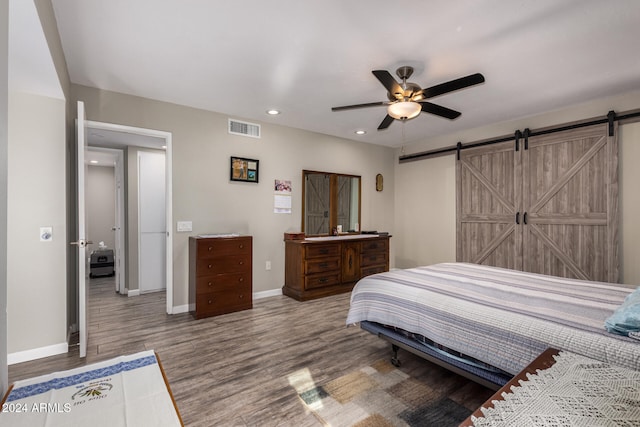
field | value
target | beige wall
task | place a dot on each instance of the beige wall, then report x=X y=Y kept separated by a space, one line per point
x=425 y=212
x=202 y=192
x=36 y=279
x=101 y=204
x=629 y=153
x=50 y=29
x=425 y=207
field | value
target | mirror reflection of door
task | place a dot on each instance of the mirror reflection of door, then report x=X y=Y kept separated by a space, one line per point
x=318 y=196
x=344 y=202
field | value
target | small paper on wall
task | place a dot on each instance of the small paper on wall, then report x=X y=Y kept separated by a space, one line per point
x=282 y=197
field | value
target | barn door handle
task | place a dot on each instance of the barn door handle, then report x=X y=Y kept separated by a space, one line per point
x=524 y=218
x=518 y=217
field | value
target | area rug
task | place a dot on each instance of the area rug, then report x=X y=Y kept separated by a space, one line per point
x=380 y=395
x=575 y=391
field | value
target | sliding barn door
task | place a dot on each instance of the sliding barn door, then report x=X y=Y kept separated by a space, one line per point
x=570 y=198
x=549 y=207
x=488 y=199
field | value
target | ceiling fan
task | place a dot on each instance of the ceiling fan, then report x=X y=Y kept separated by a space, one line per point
x=407 y=100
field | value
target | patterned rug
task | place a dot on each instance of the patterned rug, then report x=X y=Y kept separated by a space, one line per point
x=380 y=395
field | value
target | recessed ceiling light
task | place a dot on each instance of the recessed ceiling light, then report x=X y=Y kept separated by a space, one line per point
x=93 y=162
x=361 y=132
x=273 y=112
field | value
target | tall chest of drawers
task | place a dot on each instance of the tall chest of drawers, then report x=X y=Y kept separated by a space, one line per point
x=316 y=268
x=220 y=275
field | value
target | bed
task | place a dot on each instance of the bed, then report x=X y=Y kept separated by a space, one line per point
x=489 y=323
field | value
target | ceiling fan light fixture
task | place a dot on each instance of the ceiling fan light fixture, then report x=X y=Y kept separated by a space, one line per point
x=404 y=110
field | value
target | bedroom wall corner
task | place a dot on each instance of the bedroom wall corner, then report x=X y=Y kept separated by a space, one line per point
x=4 y=143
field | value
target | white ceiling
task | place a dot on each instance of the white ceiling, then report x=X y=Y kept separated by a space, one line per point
x=244 y=57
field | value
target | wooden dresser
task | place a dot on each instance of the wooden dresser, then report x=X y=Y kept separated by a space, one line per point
x=316 y=268
x=220 y=275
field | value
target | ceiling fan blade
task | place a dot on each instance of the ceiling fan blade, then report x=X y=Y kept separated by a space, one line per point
x=386 y=122
x=439 y=110
x=389 y=82
x=352 y=107
x=452 y=85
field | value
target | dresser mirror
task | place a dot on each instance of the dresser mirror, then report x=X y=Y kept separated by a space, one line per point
x=331 y=202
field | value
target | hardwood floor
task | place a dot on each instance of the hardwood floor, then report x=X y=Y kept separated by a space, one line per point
x=234 y=370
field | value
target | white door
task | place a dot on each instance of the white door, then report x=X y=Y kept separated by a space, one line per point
x=82 y=242
x=152 y=221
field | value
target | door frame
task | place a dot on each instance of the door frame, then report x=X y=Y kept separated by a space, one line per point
x=167 y=137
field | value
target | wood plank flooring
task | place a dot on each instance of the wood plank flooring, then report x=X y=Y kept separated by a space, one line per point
x=234 y=370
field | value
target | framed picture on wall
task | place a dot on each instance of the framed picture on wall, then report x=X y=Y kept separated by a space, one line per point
x=242 y=169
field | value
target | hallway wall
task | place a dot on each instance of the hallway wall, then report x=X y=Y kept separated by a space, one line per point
x=101 y=205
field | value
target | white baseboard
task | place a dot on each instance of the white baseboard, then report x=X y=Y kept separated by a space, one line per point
x=37 y=353
x=133 y=292
x=180 y=309
x=267 y=294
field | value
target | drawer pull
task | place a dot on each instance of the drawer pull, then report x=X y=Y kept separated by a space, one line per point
x=210 y=248
x=240 y=296
x=323 y=265
x=210 y=301
x=241 y=279
x=210 y=266
x=241 y=263
x=324 y=251
x=210 y=284
x=241 y=246
x=372 y=258
x=323 y=280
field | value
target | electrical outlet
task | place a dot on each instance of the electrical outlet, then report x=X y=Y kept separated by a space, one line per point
x=268 y=265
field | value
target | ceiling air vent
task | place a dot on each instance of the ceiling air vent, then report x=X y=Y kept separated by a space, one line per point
x=237 y=127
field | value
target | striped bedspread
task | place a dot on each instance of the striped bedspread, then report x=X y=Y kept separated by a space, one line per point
x=499 y=316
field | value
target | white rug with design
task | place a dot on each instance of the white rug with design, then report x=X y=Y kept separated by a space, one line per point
x=125 y=391
x=575 y=391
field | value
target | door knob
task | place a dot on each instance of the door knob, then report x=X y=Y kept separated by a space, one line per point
x=82 y=243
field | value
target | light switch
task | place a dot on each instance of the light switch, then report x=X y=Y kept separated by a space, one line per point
x=46 y=234
x=184 y=226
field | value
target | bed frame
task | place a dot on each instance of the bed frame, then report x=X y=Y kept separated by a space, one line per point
x=489 y=378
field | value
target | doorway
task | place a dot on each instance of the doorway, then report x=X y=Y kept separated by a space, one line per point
x=129 y=142
x=105 y=208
